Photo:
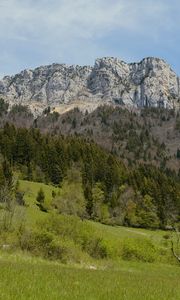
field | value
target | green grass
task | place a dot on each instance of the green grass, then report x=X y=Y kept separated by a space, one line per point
x=24 y=276
x=128 y=281
x=120 y=232
x=116 y=232
x=31 y=189
x=114 y=238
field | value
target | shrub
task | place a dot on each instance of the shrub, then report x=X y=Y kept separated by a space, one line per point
x=80 y=232
x=43 y=243
x=40 y=196
x=95 y=247
x=71 y=200
x=41 y=200
x=20 y=198
x=138 y=249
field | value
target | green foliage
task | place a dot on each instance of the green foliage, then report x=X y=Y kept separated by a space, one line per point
x=71 y=197
x=23 y=277
x=51 y=159
x=80 y=232
x=3 y=107
x=8 y=175
x=45 y=244
x=19 y=109
x=19 y=196
x=40 y=196
x=71 y=239
x=141 y=250
x=164 y=191
x=41 y=200
x=147 y=213
x=99 y=210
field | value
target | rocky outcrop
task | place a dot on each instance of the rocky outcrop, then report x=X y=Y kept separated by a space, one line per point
x=150 y=82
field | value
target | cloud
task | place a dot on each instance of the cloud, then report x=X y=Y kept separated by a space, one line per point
x=22 y=19
x=71 y=30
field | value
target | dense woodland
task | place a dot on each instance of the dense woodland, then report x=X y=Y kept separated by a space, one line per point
x=100 y=186
x=149 y=135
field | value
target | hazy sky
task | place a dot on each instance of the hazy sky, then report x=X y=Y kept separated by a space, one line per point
x=38 y=32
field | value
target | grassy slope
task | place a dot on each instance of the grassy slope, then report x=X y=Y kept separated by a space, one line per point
x=43 y=280
x=23 y=277
x=31 y=189
x=116 y=234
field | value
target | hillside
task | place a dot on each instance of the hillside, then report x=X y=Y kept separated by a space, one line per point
x=51 y=253
x=73 y=211
x=27 y=278
x=97 y=185
x=149 y=135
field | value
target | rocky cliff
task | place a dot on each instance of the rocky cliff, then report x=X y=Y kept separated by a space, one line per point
x=150 y=82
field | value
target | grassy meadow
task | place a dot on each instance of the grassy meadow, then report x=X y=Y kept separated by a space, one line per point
x=32 y=279
x=64 y=257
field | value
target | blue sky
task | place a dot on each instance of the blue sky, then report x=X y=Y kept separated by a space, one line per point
x=38 y=32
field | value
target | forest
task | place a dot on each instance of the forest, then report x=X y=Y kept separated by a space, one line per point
x=100 y=186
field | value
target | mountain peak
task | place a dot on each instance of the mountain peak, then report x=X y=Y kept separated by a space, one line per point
x=150 y=82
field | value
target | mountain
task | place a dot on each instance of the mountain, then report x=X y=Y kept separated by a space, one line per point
x=149 y=83
x=149 y=135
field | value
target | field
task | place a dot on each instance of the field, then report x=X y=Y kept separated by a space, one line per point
x=138 y=266
x=33 y=279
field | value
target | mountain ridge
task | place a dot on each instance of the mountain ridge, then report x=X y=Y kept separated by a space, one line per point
x=148 y=83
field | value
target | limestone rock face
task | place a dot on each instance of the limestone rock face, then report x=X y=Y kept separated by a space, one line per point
x=150 y=82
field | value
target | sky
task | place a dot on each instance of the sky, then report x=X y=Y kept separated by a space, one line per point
x=41 y=32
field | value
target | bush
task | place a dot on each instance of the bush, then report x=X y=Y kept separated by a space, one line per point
x=20 y=198
x=71 y=200
x=95 y=247
x=43 y=243
x=41 y=200
x=40 y=196
x=138 y=249
x=80 y=232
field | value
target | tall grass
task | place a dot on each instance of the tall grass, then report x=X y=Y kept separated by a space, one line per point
x=130 y=281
